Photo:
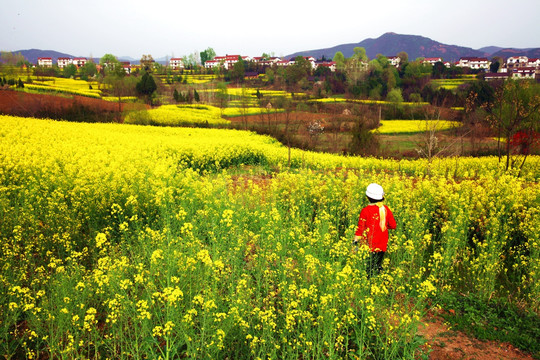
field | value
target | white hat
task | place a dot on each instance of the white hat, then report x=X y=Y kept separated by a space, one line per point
x=375 y=192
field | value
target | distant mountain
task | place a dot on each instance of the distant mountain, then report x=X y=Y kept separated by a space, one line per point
x=490 y=49
x=506 y=53
x=32 y=55
x=415 y=46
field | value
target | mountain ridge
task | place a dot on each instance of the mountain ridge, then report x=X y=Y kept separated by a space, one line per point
x=390 y=44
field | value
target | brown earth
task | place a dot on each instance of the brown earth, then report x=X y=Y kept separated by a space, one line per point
x=448 y=344
x=28 y=104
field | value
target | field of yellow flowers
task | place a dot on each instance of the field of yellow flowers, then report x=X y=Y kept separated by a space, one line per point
x=123 y=241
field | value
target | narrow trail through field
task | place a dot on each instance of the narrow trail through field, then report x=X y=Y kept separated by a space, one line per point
x=448 y=344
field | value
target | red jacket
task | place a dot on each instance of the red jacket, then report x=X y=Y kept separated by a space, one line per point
x=370 y=228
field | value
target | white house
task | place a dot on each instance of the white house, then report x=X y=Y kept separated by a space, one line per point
x=45 y=61
x=64 y=61
x=310 y=59
x=228 y=61
x=513 y=61
x=394 y=60
x=496 y=76
x=432 y=60
x=126 y=65
x=474 y=63
x=79 y=61
x=328 y=64
x=176 y=63
x=524 y=72
x=534 y=62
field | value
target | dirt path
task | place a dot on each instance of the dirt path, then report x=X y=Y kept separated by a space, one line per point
x=447 y=344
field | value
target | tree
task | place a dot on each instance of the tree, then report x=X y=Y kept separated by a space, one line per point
x=147 y=62
x=146 y=87
x=496 y=63
x=395 y=96
x=222 y=96
x=88 y=70
x=239 y=70
x=120 y=86
x=339 y=58
x=359 y=53
x=207 y=54
x=403 y=57
x=69 y=71
x=516 y=110
x=244 y=104
x=196 y=95
x=10 y=58
x=191 y=61
x=298 y=71
x=111 y=64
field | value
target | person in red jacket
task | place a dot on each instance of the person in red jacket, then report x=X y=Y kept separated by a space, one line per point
x=373 y=224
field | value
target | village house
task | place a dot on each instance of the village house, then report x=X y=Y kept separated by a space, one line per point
x=310 y=59
x=79 y=61
x=226 y=61
x=45 y=61
x=327 y=64
x=524 y=72
x=176 y=63
x=535 y=62
x=474 y=63
x=432 y=60
x=394 y=60
x=64 y=61
x=126 y=65
x=517 y=61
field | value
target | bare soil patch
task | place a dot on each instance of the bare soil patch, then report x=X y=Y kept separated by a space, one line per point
x=447 y=344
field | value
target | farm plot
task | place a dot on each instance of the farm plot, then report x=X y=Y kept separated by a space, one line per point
x=126 y=241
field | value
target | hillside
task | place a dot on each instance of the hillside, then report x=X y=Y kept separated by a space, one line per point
x=415 y=46
x=506 y=53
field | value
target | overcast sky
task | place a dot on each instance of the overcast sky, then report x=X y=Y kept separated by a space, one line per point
x=251 y=27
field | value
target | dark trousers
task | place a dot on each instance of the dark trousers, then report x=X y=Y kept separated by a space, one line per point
x=375 y=263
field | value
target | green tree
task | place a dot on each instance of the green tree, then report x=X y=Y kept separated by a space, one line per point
x=359 y=53
x=196 y=95
x=146 y=87
x=496 y=63
x=207 y=54
x=395 y=96
x=222 y=96
x=69 y=71
x=403 y=58
x=111 y=65
x=298 y=71
x=88 y=70
x=339 y=58
x=239 y=70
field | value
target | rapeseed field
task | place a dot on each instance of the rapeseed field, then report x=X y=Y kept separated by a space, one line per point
x=124 y=241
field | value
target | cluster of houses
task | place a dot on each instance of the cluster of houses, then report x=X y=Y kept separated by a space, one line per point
x=228 y=62
x=520 y=67
x=79 y=62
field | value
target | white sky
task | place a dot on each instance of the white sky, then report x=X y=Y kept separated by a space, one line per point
x=251 y=27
